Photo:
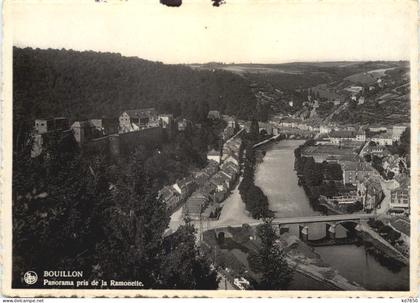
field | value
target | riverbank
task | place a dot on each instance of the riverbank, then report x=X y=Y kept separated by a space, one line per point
x=230 y=251
x=383 y=247
x=303 y=259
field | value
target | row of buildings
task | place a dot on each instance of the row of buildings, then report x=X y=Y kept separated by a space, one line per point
x=382 y=135
x=360 y=176
x=204 y=203
x=201 y=193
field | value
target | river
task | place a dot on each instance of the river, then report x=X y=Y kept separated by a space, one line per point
x=277 y=178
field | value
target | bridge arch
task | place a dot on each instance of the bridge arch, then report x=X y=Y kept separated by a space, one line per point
x=355 y=222
x=220 y=236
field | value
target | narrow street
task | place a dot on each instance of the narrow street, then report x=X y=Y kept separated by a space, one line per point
x=387 y=187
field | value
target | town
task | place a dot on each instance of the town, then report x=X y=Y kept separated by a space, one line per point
x=369 y=165
x=344 y=169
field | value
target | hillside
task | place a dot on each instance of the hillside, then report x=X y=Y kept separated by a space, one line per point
x=89 y=84
x=285 y=89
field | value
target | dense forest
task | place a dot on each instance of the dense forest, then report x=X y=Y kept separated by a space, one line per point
x=88 y=84
x=73 y=212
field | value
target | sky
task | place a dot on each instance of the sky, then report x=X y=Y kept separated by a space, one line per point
x=241 y=31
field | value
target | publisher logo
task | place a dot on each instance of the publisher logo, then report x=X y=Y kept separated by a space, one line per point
x=30 y=277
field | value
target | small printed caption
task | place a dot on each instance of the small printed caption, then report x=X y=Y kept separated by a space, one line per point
x=74 y=279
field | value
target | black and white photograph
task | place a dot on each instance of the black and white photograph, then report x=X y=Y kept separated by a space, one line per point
x=212 y=146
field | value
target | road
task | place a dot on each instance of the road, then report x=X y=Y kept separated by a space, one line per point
x=387 y=186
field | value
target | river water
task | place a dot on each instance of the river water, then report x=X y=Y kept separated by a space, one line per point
x=277 y=178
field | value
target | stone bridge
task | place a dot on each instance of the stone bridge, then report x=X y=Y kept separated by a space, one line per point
x=330 y=222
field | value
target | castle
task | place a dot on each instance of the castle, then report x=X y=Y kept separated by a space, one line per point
x=114 y=136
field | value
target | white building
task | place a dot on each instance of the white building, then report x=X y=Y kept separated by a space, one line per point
x=134 y=119
x=397 y=131
x=213 y=155
x=165 y=120
x=324 y=129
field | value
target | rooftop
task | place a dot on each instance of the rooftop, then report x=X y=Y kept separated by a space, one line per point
x=140 y=113
x=342 y=134
x=167 y=192
x=213 y=153
x=328 y=149
x=356 y=166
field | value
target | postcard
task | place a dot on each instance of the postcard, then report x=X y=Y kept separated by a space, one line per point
x=210 y=148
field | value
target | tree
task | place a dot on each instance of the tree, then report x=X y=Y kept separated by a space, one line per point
x=56 y=198
x=134 y=225
x=183 y=266
x=269 y=261
x=312 y=172
x=254 y=133
x=404 y=146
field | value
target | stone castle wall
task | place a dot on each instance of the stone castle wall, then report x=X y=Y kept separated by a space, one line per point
x=122 y=144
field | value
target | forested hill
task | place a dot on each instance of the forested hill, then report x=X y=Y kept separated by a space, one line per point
x=90 y=84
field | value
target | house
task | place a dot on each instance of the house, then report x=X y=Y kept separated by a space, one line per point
x=213 y=155
x=231 y=162
x=321 y=153
x=208 y=189
x=221 y=181
x=231 y=159
x=354 y=171
x=170 y=197
x=185 y=187
x=135 y=119
x=231 y=170
x=324 y=129
x=211 y=168
x=46 y=128
x=340 y=199
x=231 y=148
x=361 y=135
x=165 y=120
x=213 y=115
x=400 y=199
x=369 y=192
x=397 y=131
x=201 y=177
x=383 y=138
x=195 y=205
x=374 y=150
x=377 y=128
x=289 y=122
x=42 y=126
x=337 y=136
